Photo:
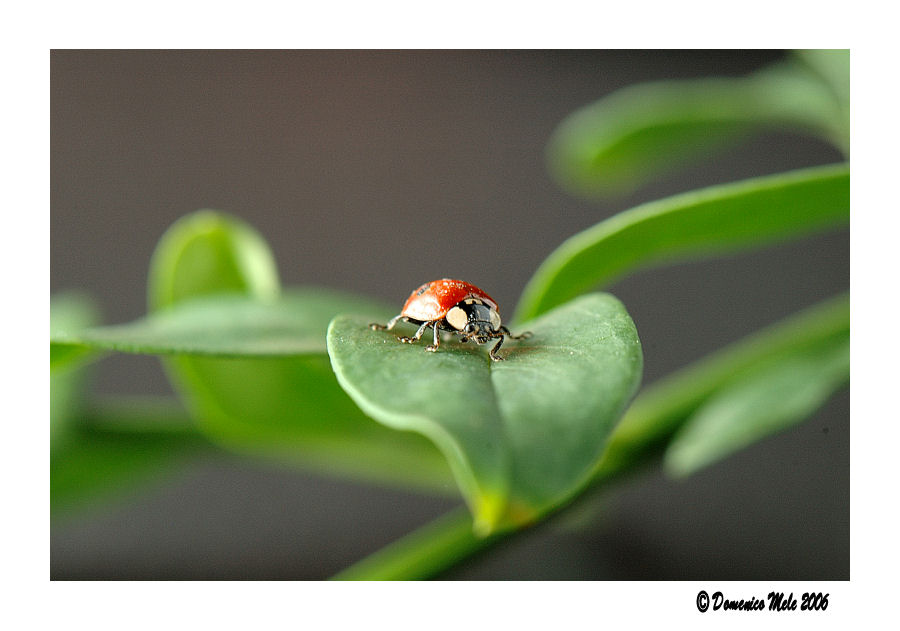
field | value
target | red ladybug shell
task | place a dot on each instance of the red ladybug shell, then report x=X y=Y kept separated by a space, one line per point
x=433 y=300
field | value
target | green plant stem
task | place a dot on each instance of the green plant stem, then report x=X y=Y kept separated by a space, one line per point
x=654 y=414
x=424 y=552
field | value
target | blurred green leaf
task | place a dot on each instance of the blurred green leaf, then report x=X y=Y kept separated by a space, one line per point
x=773 y=397
x=614 y=145
x=521 y=435
x=226 y=325
x=67 y=312
x=209 y=252
x=94 y=468
x=706 y=222
x=70 y=312
x=276 y=396
x=661 y=408
x=833 y=66
x=90 y=467
x=63 y=354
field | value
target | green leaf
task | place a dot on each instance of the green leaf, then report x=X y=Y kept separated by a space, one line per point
x=706 y=222
x=661 y=408
x=521 y=435
x=117 y=447
x=290 y=408
x=773 y=397
x=264 y=386
x=257 y=379
x=650 y=421
x=89 y=468
x=226 y=325
x=68 y=312
x=833 y=66
x=209 y=252
x=612 y=146
x=94 y=468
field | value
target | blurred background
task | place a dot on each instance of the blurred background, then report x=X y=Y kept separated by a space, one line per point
x=374 y=171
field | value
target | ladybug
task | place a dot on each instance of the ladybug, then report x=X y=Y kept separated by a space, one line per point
x=455 y=306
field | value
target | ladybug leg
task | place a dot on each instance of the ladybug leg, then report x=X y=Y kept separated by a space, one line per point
x=494 y=350
x=387 y=327
x=523 y=336
x=415 y=338
x=437 y=339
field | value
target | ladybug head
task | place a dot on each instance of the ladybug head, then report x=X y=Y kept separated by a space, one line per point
x=474 y=320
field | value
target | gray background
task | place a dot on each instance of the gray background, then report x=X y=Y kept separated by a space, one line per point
x=362 y=170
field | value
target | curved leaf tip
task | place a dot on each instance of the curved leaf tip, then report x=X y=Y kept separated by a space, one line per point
x=210 y=252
